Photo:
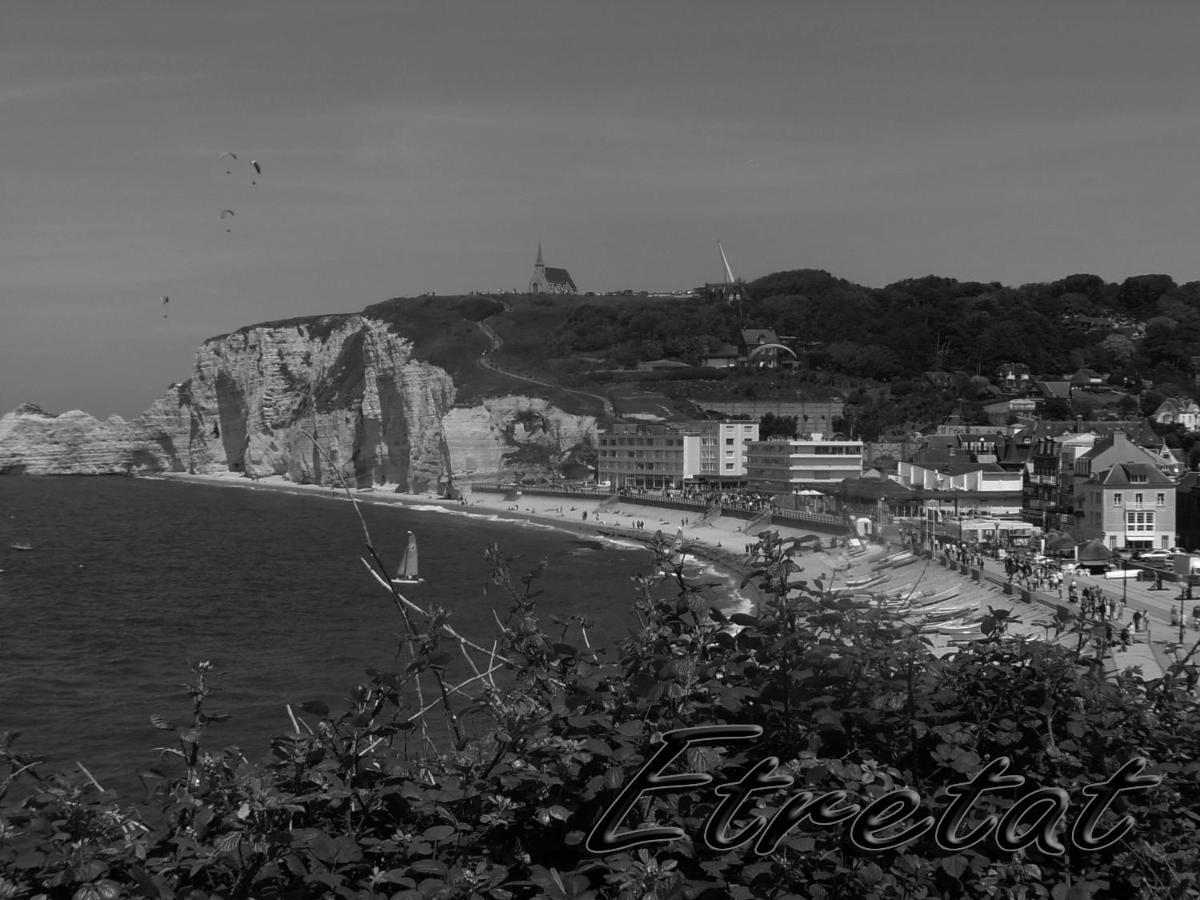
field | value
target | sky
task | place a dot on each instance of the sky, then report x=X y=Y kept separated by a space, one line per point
x=410 y=147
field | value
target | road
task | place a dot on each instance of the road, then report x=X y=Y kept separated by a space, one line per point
x=497 y=342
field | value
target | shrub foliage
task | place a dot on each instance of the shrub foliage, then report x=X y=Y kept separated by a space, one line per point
x=480 y=770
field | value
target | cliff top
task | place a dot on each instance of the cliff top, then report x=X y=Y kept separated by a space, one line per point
x=31 y=409
x=319 y=326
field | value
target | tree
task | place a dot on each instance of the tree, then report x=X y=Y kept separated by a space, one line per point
x=1056 y=408
x=1150 y=401
x=771 y=425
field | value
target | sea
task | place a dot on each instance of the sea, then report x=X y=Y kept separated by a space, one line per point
x=131 y=580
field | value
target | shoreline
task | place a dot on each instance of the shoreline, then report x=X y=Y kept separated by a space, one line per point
x=717 y=545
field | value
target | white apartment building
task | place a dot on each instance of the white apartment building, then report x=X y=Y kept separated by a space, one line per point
x=790 y=464
x=659 y=456
x=721 y=449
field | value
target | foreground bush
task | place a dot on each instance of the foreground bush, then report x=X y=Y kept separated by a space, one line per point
x=524 y=768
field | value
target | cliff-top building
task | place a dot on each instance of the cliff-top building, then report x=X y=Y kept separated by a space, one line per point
x=549 y=280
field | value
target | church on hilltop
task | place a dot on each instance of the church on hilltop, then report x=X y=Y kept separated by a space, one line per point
x=549 y=280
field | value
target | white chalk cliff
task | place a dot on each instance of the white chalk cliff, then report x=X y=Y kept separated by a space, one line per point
x=306 y=399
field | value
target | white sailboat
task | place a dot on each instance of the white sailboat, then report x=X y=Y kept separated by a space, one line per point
x=409 y=572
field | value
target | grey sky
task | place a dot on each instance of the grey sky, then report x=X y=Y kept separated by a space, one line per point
x=411 y=147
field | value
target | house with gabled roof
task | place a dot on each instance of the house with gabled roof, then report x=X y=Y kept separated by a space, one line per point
x=1055 y=390
x=1087 y=379
x=751 y=340
x=723 y=357
x=1014 y=377
x=1127 y=506
x=1178 y=411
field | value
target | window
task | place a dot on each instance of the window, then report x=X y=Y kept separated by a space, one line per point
x=1117 y=499
x=1137 y=498
x=728 y=442
x=1139 y=521
x=1160 y=499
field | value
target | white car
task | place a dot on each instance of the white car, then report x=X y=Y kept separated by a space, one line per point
x=1156 y=556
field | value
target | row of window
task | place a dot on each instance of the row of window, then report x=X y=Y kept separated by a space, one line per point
x=640 y=442
x=1159 y=499
x=641 y=454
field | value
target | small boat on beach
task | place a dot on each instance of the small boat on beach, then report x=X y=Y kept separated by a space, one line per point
x=21 y=545
x=409 y=570
x=865 y=581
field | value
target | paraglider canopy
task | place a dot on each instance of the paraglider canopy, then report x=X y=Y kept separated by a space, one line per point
x=228 y=155
x=762 y=347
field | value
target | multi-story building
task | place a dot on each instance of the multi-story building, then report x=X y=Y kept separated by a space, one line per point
x=1105 y=453
x=1128 y=506
x=982 y=487
x=1051 y=481
x=661 y=456
x=722 y=449
x=642 y=455
x=791 y=464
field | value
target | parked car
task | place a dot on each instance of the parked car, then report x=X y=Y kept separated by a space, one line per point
x=1156 y=556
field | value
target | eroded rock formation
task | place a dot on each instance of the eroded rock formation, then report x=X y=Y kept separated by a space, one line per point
x=307 y=399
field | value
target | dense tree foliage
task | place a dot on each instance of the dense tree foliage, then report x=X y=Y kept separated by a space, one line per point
x=916 y=325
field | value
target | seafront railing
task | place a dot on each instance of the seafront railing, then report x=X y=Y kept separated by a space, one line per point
x=790 y=517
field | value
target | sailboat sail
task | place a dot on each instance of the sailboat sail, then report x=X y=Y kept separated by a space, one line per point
x=409 y=571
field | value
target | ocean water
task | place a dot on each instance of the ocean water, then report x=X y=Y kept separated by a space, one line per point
x=129 y=579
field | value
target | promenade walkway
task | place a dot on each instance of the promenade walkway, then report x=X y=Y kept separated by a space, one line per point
x=1151 y=650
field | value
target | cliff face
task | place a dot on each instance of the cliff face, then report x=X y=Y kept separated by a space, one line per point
x=307 y=400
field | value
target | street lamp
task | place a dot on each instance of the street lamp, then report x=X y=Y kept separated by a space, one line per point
x=1182 y=596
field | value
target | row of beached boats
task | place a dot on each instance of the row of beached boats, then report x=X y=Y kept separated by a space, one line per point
x=932 y=612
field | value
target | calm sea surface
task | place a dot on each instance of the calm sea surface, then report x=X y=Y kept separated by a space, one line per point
x=129 y=579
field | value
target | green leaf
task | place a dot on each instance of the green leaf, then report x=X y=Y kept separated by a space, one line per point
x=429 y=867
x=954 y=866
x=439 y=832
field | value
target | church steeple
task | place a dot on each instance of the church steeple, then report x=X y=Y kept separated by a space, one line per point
x=549 y=279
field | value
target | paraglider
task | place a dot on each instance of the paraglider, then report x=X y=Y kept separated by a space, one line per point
x=224 y=213
x=166 y=300
x=257 y=169
x=231 y=156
